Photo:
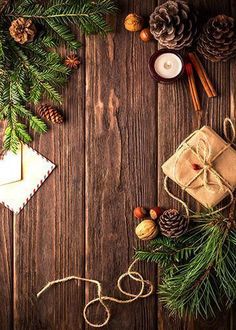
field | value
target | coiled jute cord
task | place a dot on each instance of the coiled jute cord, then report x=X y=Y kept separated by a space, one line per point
x=132 y=274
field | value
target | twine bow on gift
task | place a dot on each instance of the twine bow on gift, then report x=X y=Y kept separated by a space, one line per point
x=134 y=275
x=203 y=153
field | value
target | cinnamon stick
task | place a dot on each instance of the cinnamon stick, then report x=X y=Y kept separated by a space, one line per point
x=192 y=87
x=206 y=83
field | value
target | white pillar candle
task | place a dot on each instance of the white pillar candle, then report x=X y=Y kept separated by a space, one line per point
x=168 y=65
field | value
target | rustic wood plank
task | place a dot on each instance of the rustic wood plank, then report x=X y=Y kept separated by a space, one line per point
x=176 y=120
x=233 y=115
x=121 y=161
x=6 y=261
x=49 y=233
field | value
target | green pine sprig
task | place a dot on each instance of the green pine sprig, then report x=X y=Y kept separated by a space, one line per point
x=198 y=269
x=31 y=71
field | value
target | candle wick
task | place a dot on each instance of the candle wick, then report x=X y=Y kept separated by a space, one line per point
x=167 y=65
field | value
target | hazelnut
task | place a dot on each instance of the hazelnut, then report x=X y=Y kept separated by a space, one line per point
x=146 y=230
x=155 y=212
x=133 y=22
x=140 y=212
x=145 y=35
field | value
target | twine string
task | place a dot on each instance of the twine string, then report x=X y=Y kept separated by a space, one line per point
x=203 y=153
x=134 y=275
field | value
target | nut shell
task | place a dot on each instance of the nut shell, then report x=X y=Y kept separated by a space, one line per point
x=145 y=35
x=147 y=230
x=156 y=212
x=140 y=212
x=133 y=22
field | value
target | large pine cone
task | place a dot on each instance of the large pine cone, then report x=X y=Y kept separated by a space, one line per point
x=217 y=41
x=173 y=224
x=22 y=30
x=173 y=24
x=51 y=113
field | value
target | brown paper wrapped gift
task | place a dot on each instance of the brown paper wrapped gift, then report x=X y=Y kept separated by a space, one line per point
x=204 y=165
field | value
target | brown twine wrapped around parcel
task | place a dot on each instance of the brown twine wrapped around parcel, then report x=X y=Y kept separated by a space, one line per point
x=204 y=155
x=134 y=275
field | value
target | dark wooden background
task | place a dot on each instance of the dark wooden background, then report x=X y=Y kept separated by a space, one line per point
x=120 y=128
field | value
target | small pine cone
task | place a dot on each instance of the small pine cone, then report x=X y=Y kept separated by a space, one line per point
x=50 y=113
x=22 y=30
x=72 y=61
x=173 y=224
x=173 y=24
x=217 y=42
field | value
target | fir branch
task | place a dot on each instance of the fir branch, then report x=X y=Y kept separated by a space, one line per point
x=30 y=71
x=203 y=280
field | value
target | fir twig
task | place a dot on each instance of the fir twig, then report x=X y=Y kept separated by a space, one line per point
x=30 y=71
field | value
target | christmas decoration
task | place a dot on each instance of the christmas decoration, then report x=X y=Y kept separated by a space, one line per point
x=140 y=212
x=215 y=179
x=173 y=224
x=145 y=35
x=217 y=42
x=201 y=72
x=155 y=212
x=51 y=113
x=22 y=30
x=133 y=23
x=29 y=67
x=198 y=268
x=196 y=167
x=72 y=61
x=146 y=230
x=173 y=24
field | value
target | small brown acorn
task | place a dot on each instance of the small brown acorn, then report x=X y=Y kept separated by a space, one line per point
x=145 y=35
x=155 y=212
x=140 y=212
x=133 y=23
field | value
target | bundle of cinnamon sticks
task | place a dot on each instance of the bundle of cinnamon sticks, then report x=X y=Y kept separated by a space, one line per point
x=201 y=72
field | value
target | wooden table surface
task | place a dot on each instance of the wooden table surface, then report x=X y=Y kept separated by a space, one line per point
x=121 y=126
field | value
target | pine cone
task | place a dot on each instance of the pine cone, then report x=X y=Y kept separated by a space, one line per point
x=22 y=30
x=173 y=24
x=72 y=61
x=173 y=224
x=217 y=41
x=50 y=113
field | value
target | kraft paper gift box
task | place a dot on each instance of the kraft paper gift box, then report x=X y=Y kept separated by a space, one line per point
x=204 y=166
x=21 y=175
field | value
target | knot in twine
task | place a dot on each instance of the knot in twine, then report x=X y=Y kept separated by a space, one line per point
x=134 y=275
x=203 y=153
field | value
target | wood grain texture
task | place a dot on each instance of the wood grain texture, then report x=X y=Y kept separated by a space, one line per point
x=120 y=128
x=176 y=120
x=120 y=160
x=49 y=233
x=6 y=273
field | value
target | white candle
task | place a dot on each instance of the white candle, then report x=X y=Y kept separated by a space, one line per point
x=168 y=65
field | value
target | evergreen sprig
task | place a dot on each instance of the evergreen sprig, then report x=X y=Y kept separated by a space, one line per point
x=199 y=274
x=30 y=71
